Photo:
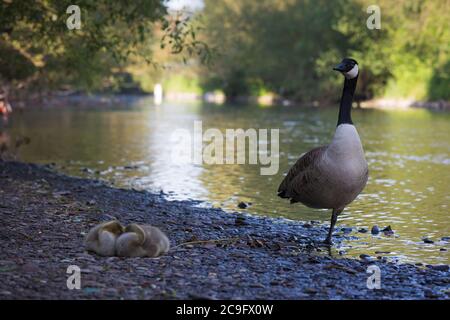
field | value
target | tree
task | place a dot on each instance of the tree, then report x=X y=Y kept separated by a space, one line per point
x=52 y=56
x=290 y=46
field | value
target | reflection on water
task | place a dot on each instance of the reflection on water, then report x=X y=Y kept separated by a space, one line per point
x=408 y=154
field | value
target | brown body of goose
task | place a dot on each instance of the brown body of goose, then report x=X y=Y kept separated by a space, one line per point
x=332 y=176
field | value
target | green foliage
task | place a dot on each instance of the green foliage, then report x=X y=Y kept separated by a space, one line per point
x=290 y=46
x=13 y=64
x=187 y=83
x=439 y=85
x=287 y=47
x=111 y=33
x=417 y=49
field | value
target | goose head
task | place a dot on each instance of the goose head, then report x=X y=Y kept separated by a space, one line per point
x=348 y=67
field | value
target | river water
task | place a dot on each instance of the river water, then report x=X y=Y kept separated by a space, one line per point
x=132 y=146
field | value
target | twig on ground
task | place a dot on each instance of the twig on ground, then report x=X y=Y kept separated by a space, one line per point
x=204 y=241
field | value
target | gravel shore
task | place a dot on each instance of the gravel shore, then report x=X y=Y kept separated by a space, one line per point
x=215 y=255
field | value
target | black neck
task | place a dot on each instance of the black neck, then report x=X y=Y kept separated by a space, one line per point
x=345 y=108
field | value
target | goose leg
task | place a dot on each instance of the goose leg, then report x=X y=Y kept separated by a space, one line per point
x=334 y=216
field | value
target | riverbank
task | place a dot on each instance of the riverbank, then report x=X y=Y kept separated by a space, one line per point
x=104 y=100
x=401 y=104
x=216 y=255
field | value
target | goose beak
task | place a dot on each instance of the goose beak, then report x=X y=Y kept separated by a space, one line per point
x=340 y=67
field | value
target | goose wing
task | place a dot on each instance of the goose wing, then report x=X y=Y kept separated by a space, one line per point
x=300 y=174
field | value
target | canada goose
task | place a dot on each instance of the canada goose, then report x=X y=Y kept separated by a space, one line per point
x=101 y=239
x=332 y=176
x=142 y=241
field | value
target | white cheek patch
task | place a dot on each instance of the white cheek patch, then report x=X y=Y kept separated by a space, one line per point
x=352 y=73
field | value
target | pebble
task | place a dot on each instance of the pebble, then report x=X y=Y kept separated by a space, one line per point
x=87 y=170
x=365 y=257
x=388 y=231
x=426 y=240
x=430 y=294
x=346 y=230
x=91 y=202
x=90 y=290
x=375 y=230
x=242 y=205
x=240 y=221
x=310 y=290
x=439 y=267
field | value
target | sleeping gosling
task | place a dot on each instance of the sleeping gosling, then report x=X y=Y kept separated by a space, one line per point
x=101 y=239
x=142 y=241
